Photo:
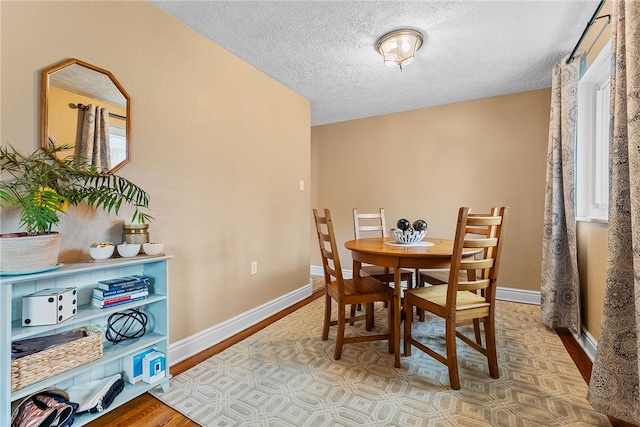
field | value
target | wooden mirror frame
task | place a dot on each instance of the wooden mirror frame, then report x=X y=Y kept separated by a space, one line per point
x=45 y=101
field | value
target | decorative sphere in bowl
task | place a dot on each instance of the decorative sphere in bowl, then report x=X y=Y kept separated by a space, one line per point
x=403 y=224
x=102 y=250
x=153 y=248
x=407 y=236
x=420 y=224
x=128 y=250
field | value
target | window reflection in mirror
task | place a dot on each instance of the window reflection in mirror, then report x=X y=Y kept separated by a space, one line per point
x=68 y=89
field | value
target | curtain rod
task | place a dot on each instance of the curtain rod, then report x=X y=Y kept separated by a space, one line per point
x=593 y=19
x=114 y=115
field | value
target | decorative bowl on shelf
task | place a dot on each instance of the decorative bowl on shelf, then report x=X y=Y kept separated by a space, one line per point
x=407 y=236
x=128 y=250
x=102 y=250
x=153 y=248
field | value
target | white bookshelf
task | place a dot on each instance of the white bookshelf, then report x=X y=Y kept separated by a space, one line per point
x=84 y=276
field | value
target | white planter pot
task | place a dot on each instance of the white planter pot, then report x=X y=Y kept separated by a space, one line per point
x=24 y=253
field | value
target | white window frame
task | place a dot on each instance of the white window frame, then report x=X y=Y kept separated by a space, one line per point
x=592 y=154
x=118 y=144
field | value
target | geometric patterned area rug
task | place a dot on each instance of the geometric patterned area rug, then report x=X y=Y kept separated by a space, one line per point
x=285 y=375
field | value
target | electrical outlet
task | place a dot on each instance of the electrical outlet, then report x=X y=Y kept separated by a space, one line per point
x=254 y=267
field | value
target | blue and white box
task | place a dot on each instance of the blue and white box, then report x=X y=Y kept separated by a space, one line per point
x=153 y=367
x=133 y=365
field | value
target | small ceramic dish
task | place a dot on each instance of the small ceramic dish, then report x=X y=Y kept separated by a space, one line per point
x=102 y=250
x=128 y=250
x=153 y=248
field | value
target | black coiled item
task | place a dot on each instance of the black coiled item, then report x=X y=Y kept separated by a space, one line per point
x=124 y=325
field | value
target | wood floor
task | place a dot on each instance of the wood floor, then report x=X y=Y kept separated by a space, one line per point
x=146 y=410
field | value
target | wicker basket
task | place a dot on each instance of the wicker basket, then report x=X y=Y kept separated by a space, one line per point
x=47 y=363
x=25 y=253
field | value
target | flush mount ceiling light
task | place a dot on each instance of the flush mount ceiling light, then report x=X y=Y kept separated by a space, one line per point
x=398 y=47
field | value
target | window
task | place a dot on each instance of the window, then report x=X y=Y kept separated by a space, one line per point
x=592 y=159
x=117 y=144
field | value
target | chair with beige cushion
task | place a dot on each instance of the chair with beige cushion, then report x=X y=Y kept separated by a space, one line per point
x=464 y=298
x=358 y=290
x=440 y=277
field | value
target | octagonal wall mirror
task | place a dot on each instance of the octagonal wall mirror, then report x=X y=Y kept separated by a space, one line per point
x=85 y=108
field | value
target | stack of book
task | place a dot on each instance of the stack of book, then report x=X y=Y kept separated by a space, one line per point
x=123 y=290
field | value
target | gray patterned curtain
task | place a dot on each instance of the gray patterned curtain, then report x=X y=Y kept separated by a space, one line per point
x=614 y=386
x=560 y=287
x=94 y=143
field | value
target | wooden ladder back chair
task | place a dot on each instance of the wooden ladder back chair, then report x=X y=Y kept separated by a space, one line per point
x=440 y=277
x=358 y=290
x=375 y=225
x=465 y=298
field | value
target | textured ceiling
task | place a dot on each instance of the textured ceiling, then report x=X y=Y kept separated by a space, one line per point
x=325 y=50
x=85 y=81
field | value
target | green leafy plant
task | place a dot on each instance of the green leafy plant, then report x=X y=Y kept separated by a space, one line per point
x=43 y=188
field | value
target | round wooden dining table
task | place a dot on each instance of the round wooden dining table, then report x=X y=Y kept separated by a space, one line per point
x=430 y=253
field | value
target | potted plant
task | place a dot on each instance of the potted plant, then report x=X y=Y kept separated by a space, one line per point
x=43 y=188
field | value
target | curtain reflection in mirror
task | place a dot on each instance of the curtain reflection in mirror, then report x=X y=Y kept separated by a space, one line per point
x=94 y=143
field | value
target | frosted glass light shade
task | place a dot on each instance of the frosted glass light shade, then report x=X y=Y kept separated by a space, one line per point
x=399 y=46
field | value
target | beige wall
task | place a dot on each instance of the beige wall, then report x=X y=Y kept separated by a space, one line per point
x=219 y=146
x=592 y=265
x=597 y=36
x=427 y=163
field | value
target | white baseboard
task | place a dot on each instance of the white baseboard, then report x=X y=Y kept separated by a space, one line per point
x=317 y=270
x=588 y=343
x=196 y=343
x=518 y=295
x=505 y=294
